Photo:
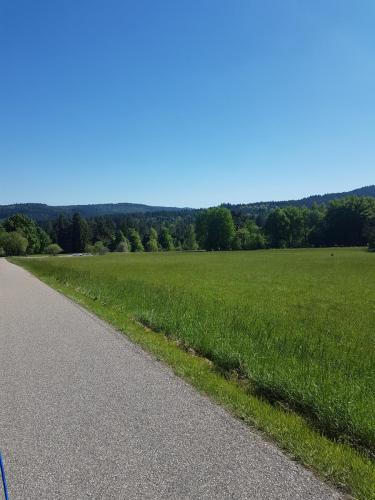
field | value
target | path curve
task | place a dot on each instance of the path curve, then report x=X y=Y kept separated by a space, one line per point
x=84 y=413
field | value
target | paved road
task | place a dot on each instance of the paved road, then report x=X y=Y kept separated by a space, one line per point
x=86 y=414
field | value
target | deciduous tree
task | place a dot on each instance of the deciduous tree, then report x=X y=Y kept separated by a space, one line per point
x=190 y=241
x=152 y=242
x=135 y=241
x=13 y=243
x=53 y=249
x=165 y=239
x=215 y=228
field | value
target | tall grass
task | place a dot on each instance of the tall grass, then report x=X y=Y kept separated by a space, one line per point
x=297 y=325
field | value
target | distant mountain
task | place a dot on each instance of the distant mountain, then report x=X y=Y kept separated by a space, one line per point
x=41 y=212
x=266 y=206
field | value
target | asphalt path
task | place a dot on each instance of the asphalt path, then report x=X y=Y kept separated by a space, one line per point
x=84 y=413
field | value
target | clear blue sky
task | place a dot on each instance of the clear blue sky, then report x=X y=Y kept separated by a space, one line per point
x=185 y=102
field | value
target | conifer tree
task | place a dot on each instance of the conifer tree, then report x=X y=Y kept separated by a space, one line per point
x=80 y=233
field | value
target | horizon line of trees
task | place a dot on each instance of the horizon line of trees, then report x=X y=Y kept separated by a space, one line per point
x=343 y=222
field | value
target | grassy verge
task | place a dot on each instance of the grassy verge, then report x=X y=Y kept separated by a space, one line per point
x=339 y=463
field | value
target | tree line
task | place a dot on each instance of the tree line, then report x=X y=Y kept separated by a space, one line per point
x=343 y=222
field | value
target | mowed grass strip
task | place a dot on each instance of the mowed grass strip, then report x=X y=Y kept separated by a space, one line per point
x=296 y=327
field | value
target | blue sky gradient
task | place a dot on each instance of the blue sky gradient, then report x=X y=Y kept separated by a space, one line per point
x=185 y=103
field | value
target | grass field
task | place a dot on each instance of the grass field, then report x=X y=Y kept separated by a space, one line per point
x=292 y=327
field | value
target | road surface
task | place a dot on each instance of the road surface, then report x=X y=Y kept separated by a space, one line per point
x=84 y=413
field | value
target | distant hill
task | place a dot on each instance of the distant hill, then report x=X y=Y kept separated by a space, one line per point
x=266 y=206
x=42 y=212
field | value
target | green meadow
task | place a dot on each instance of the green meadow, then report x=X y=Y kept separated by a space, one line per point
x=293 y=328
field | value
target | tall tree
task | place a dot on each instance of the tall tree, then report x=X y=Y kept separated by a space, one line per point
x=37 y=239
x=165 y=239
x=152 y=242
x=135 y=240
x=277 y=228
x=44 y=239
x=120 y=243
x=215 y=228
x=118 y=238
x=249 y=237
x=103 y=229
x=315 y=223
x=190 y=240
x=80 y=233
x=63 y=230
x=297 y=227
x=13 y=243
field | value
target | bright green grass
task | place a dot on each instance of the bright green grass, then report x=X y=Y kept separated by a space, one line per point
x=298 y=325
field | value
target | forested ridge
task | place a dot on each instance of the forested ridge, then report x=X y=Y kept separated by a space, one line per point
x=41 y=212
x=348 y=221
x=263 y=207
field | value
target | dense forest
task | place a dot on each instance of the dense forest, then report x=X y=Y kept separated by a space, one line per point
x=347 y=221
